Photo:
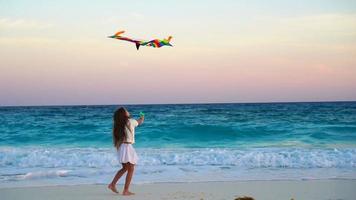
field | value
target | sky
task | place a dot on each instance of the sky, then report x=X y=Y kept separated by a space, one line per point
x=57 y=52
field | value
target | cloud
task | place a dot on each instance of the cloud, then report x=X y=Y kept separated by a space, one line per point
x=6 y=23
x=33 y=41
x=137 y=15
x=129 y=17
x=336 y=31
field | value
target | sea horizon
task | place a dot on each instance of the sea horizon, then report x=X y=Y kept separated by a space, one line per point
x=188 y=103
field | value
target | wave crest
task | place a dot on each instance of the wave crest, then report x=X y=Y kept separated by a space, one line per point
x=243 y=158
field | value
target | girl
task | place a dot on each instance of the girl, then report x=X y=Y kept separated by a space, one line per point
x=123 y=138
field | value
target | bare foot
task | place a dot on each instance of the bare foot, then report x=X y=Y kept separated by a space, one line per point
x=127 y=193
x=113 y=188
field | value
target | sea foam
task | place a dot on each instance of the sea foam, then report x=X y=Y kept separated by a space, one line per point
x=243 y=158
x=97 y=165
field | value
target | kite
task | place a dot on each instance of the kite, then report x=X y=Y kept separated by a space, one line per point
x=156 y=43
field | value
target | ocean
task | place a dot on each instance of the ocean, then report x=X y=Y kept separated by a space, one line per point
x=65 y=145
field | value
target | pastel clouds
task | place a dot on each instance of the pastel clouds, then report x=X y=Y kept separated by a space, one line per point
x=23 y=24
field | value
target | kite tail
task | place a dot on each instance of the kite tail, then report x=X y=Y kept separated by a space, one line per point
x=137 y=45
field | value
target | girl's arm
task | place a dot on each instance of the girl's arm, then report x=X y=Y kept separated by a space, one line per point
x=141 y=119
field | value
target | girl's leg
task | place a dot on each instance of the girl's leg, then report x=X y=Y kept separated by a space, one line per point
x=129 y=174
x=112 y=185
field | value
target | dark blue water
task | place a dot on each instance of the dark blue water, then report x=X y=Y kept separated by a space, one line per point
x=57 y=143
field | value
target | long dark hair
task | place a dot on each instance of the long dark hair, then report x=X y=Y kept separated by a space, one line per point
x=121 y=119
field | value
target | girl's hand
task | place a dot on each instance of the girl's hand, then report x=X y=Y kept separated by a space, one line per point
x=141 y=119
x=142 y=114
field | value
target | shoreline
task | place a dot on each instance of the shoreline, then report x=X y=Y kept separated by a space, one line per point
x=265 y=190
x=177 y=182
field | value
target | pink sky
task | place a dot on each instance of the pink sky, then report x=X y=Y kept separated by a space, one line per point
x=261 y=58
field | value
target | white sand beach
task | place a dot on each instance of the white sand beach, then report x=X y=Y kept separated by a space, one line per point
x=260 y=190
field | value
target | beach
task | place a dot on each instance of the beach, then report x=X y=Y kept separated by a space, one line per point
x=263 y=190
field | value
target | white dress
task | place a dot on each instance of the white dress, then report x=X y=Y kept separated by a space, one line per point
x=126 y=152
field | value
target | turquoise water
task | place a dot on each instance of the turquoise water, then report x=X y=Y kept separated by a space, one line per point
x=192 y=142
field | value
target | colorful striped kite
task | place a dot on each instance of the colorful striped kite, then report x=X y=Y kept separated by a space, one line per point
x=156 y=43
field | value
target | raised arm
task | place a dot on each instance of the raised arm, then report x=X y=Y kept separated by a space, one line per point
x=141 y=119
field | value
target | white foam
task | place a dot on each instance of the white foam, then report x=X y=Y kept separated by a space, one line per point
x=244 y=158
x=97 y=165
x=46 y=174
